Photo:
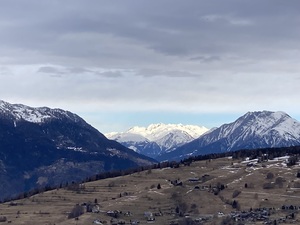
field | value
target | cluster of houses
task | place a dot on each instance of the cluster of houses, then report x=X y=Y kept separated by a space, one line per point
x=290 y=207
x=253 y=215
x=260 y=214
x=115 y=214
x=263 y=214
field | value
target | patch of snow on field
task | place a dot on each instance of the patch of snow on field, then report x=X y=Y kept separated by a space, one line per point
x=236 y=181
x=229 y=168
x=189 y=191
x=156 y=192
x=283 y=157
x=250 y=161
x=162 y=169
x=130 y=198
x=252 y=168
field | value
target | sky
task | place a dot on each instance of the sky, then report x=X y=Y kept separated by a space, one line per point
x=118 y=64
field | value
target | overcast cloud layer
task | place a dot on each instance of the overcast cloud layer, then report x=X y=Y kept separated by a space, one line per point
x=105 y=58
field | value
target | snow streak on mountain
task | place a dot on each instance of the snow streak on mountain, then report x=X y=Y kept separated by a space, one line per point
x=253 y=130
x=157 y=138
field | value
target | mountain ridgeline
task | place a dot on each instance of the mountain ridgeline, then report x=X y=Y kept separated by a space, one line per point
x=253 y=130
x=157 y=139
x=43 y=146
x=46 y=147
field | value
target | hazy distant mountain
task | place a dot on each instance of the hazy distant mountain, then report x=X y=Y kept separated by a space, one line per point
x=252 y=130
x=157 y=139
x=43 y=146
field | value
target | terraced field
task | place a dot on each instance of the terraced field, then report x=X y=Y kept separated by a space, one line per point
x=204 y=194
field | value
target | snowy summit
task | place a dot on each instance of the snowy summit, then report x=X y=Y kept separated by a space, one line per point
x=161 y=137
x=34 y=115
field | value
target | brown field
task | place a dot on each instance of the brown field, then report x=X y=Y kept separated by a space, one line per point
x=138 y=193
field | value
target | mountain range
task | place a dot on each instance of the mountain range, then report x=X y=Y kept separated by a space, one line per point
x=263 y=129
x=157 y=139
x=43 y=146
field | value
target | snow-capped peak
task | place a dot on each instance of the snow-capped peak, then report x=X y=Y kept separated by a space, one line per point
x=156 y=131
x=280 y=122
x=157 y=138
x=263 y=129
x=34 y=115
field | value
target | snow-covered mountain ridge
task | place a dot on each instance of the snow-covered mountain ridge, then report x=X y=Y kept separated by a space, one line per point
x=263 y=129
x=155 y=132
x=161 y=137
x=34 y=115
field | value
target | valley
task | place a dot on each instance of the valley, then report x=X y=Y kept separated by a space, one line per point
x=216 y=191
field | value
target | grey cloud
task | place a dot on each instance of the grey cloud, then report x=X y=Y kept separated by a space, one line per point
x=165 y=73
x=78 y=70
x=217 y=50
x=55 y=71
x=206 y=59
x=180 y=30
x=110 y=74
x=50 y=69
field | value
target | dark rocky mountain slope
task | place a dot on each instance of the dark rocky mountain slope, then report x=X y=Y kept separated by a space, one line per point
x=43 y=146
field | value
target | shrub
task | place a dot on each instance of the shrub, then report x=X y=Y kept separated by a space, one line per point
x=193 y=206
x=279 y=181
x=292 y=161
x=236 y=193
x=236 y=205
x=181 y=208
x=270 y=175
x=76 y=211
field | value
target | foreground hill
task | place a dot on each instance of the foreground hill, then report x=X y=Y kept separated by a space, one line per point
x=214 y=191
x=253 y=130
x=156 y=139
x=43 y=146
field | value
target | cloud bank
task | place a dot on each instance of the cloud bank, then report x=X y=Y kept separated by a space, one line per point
x=162 y=56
